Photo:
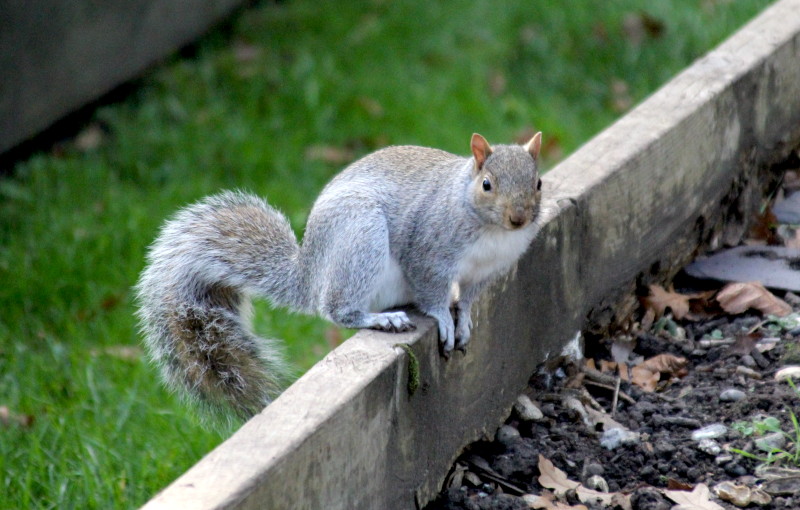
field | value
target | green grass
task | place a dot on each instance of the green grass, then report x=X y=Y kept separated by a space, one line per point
x=89 y=425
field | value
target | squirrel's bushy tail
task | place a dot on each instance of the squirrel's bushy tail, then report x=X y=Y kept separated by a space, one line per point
x=194 y=301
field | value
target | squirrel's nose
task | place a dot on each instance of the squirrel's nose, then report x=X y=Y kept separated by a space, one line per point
x=517 y=217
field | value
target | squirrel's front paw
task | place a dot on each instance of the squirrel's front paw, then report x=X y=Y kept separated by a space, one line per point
x=463 y=330
x=392 y=321
x=447 y=338
x=462 y=338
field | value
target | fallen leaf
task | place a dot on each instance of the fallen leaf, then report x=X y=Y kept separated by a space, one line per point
x=677 y=485
x=330 y=154
x=737 y=298
x=664 y=363
x=763 y=229
x=9 y=417
x=645 y=379
x=553 y=478
x=547 y=502
x=660 y=300
x=695 y=500
x=602 y=418
x=647 y=374
x=638 y=25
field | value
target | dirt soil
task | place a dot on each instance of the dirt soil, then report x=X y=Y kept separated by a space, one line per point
x=724 y=378
x=665 y=455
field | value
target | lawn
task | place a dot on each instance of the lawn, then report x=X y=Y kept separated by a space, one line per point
x=276 y=101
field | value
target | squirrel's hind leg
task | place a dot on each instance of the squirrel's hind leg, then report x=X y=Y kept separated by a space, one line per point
x=362 y=278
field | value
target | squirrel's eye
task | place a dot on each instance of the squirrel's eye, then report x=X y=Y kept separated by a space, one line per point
x=487 y=184
x=539 y=185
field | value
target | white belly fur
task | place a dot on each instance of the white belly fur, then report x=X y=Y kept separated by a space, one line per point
x=493 y=252
x=391 y=289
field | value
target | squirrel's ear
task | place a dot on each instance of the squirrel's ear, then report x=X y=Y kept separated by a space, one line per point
x=534 y=145
x=480 y=149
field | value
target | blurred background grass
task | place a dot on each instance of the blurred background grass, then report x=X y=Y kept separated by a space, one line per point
x=275 y=101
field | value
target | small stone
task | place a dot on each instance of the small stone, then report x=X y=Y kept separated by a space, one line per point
x=527 y=410
x=792 y=371
x=723 y=459
x=597 y=483
x=649 y=498
x=748 y=361
x=694 y=474
x=709 y=446
x=740 y=495
x=732 y=395
x=591 y=469
x=734 y=469
x=771 y=442
x=782 y=486
x=748 y=372
x=712 y=431
x=507 y=435
x=473 y=479
x=616 y=437
x=664 y=448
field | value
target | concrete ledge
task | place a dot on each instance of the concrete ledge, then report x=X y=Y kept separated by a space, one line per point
x=57 y=56
x=633 y=203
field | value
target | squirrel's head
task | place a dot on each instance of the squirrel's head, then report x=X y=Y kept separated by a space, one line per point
x=506 y=188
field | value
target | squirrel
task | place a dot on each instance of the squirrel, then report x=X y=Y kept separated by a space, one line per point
x=403 y=225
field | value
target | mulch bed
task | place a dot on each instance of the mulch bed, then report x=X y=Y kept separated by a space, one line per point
x=640 y=441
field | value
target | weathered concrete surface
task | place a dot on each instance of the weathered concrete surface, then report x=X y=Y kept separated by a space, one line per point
x=56 y=56
x=634 y=201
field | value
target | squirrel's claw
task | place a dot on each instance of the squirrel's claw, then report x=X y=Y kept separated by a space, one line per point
x=392 y=321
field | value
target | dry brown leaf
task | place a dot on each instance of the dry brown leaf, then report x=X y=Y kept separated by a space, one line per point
x=645 y=379
x=330 y=154
x=665 y=363
x=763 y=229
x=546 y=501
x=9 y=417
x=639 y=25
x=695 y=500
x=661 y=300
x=553 y=478
x=737 y=298
x=647 y=374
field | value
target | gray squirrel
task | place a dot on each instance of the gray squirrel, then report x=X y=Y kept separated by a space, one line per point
x=403 y=225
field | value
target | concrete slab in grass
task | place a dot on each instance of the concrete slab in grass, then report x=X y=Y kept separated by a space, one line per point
x=57 y=56
x=632 y=204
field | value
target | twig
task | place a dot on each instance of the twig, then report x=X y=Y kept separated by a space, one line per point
x=615 y=400
x=611 y=388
